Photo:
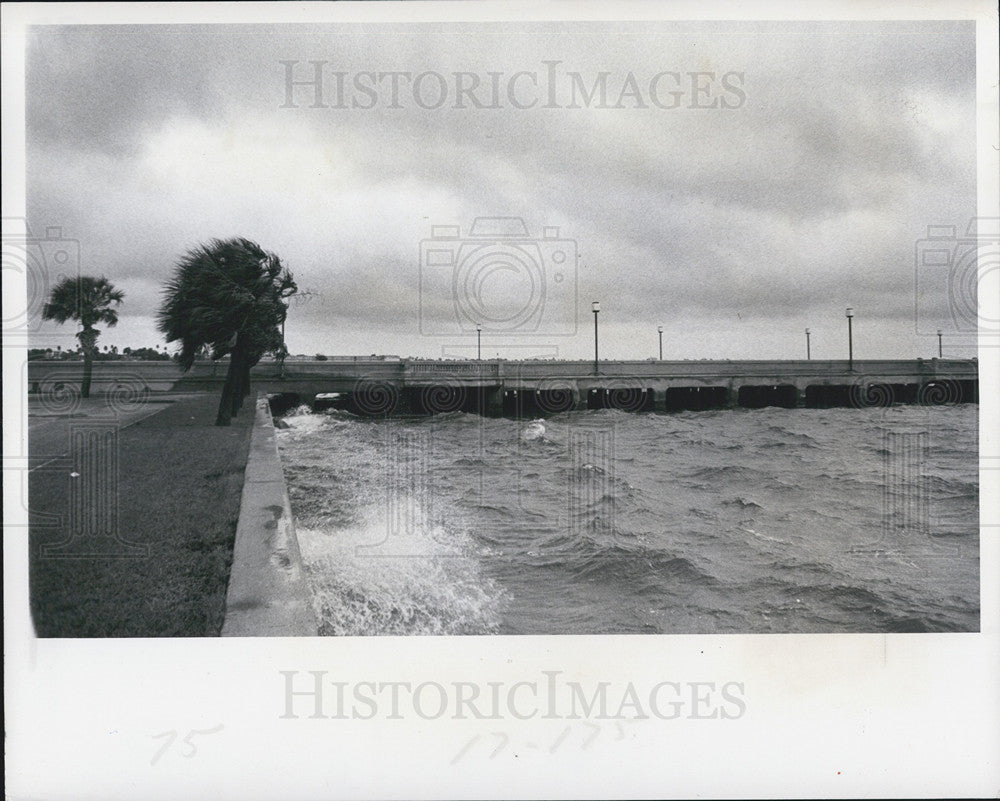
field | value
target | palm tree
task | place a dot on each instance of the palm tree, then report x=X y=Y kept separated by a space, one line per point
x=89 y=301
x=231 y=295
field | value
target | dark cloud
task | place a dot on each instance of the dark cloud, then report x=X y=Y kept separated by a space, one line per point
x=809 y=195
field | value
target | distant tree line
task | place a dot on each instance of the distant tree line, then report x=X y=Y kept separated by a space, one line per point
x=110 y=353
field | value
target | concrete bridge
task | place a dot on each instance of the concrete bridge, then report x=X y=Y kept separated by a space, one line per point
x=377 y=386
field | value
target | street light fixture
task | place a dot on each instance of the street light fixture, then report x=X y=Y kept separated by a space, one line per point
x=595 y=307
x=479 y=342
x=850 y=340
x=659 y=330
x=940 y=347
x=808 y=352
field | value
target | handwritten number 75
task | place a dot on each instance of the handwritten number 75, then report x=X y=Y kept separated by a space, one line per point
x=187 y=747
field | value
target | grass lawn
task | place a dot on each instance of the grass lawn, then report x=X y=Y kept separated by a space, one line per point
x=179 y=484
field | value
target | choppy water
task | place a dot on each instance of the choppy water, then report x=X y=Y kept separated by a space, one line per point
x=772 y=520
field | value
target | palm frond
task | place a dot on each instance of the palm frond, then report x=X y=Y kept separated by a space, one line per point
x=85 y=299
x=221 y=289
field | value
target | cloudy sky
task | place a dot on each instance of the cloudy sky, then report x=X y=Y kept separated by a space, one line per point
x=735 y=183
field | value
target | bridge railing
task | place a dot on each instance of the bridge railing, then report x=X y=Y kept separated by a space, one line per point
x=471 y=370
x=162 y=375
x=694 y=369
x=332 y=368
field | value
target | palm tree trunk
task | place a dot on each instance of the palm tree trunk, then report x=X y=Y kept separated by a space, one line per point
x=88 y=370
x=241 y=364
x=236 y=398
x=240 y=387
x=88 y=344
x=237 y=386
x=225 y=412
x=245 y=386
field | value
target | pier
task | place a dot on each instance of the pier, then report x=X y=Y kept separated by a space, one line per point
x=535 y=388
x=376 y=386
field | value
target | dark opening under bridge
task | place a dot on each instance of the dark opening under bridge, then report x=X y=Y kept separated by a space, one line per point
x=375 y=386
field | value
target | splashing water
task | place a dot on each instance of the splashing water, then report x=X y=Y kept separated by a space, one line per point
x=534 y=430
x=371 y=579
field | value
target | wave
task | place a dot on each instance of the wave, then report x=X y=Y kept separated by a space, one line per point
x=605 y=552
x=765 y=537
x=384 y=575
x=470 y=461
x=860 y=603
x=533 y=431
x=925 y=622
x=952 y=487
x=726 y=471
x=743 y=503
x=779 y=445
x=794 y=437
x=650 y=567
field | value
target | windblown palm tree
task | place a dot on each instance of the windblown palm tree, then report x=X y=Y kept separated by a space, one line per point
x=230 y=295
x=89 y=301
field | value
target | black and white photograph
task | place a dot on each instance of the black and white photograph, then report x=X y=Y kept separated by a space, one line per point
x=519 y=388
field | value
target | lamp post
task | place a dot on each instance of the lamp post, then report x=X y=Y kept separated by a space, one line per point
x=479 y=342
x=659 y=330
x=595 y=307
x=808 y=352
x=940 y=348
x=850 y=341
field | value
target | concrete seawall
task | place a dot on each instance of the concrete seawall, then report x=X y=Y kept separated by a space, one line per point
x=267 y=595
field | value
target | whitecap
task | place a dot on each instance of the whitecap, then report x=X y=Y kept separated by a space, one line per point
x=398 y=573
x=534 y=430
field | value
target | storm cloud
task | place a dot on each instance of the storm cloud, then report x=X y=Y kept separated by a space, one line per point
x=805 y=189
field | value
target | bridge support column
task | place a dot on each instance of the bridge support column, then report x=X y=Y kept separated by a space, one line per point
x=659 y=400
x=732 y=395
x=492 y=402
